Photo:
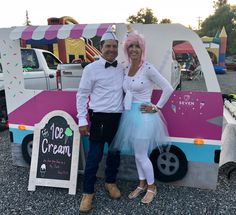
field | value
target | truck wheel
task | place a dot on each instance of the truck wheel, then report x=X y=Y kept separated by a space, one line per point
x=169 y=165
x=26 y=147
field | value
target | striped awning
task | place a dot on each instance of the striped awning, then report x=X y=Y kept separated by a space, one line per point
x=50 y=32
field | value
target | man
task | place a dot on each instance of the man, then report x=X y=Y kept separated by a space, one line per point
x=101 y=85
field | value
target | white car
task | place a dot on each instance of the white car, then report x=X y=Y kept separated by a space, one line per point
x=175 y=73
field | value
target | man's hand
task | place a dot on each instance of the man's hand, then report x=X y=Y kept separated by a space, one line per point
x=84 y=130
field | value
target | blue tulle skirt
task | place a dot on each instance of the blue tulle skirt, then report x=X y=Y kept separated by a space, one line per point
x=140 y=132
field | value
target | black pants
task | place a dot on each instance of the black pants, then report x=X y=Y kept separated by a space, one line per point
x=103 y=129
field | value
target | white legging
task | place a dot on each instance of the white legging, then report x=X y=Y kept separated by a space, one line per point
x=144 y=167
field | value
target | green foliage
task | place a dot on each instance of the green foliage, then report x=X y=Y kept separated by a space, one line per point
x=144 y=15
x=219 y=3
x=96 y=42
x=224 y=16
x=165 y=21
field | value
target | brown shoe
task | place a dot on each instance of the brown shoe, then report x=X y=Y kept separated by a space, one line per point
x=86 y=203
x=113 y=190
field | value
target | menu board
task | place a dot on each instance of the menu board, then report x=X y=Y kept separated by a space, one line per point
x=55 y=153
x=55 y=149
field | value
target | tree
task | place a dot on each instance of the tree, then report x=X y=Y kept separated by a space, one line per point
x=219 y=3
x=225 y=15
x=165 y=21
x=144 y=15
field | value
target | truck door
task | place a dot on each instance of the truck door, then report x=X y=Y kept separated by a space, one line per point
x=34 y=76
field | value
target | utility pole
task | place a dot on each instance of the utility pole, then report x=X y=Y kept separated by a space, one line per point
x=27 y=20
x=199 y=20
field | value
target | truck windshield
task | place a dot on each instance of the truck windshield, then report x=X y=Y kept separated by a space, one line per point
x=29 y=59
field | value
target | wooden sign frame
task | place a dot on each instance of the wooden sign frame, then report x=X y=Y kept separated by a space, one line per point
x=72 y=182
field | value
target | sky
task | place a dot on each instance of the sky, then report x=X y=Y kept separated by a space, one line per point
x=186 y=12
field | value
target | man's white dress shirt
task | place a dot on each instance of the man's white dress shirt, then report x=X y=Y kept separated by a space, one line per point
x=104 y=86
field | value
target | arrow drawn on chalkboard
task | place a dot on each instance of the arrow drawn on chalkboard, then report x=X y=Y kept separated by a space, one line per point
x=68 y=133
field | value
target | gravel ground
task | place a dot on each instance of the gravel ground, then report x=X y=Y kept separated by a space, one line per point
x=15 y=199
x=227 y=83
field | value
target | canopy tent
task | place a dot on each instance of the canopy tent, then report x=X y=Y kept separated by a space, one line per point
x=184 y=47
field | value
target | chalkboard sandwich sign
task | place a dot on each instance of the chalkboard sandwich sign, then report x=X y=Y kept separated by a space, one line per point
x=55 y=154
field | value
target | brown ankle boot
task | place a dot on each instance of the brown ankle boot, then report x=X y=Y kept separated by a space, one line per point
x=86 y=203
x=113 y=190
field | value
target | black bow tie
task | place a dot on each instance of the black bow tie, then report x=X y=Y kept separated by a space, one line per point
x=114 y=64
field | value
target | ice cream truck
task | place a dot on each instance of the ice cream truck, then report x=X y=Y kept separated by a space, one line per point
x=194 y=119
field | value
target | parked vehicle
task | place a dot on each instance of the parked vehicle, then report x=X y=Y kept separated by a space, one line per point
x=230 y=62
x=69 y=75
x=175 y=73
x=39 y=72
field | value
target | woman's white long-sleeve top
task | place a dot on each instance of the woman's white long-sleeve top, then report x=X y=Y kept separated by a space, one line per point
x=140 y=86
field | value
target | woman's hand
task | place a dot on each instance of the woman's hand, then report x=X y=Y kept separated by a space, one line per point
x=149 y=108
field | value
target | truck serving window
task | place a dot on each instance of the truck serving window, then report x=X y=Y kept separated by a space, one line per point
x=29 y=59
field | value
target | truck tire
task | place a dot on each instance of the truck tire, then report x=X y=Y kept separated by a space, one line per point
x=169 y=165
x=26 y=148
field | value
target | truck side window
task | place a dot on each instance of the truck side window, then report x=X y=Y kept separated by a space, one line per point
x=52 y=62
x=29 y=59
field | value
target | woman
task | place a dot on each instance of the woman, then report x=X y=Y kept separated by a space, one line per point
x=141 y=128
